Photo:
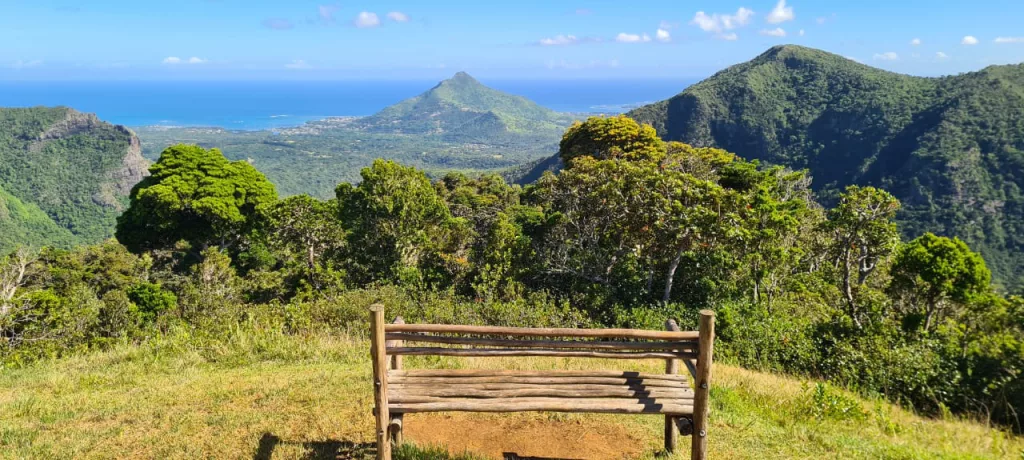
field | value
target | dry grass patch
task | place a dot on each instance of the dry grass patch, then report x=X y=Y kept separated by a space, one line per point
x=309 y=397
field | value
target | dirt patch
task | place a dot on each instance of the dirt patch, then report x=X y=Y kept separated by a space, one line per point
x=525 y=436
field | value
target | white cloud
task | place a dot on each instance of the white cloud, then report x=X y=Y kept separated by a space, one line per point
x=969 y=40
x=172 y=60
x=18 y=65
x=887 y=56
x=298 y=64
x=367 y=19
x=667 y=25
x=663 y=36
x=632 y=38
x=730 y=37
x=559 y=40
x=327 y=12
x=915 y=42
x=1003 y=40
x=781 y=13
x=776 y=32
x=801 y=33
x=821 y=20
x=195 y=60
x=941 y=56
x=718 y=23
x=398 y=16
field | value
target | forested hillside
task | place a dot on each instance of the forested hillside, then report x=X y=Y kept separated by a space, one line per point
x=951 y=149
x=632 y=231
x=64 y=176
x=458 y=125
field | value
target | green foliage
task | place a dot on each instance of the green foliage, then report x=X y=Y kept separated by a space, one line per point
x=151 y=300
x=826 y=402
x=950 y=148
x=63 y=177
x=399 y=224
x=611 y=138
x=936 y=274
x=195 y=195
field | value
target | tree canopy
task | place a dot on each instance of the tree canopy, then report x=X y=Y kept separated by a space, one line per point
x=195 y=195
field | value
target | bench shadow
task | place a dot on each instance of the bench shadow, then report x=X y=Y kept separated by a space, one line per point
x=315 y=450
x=513 y=456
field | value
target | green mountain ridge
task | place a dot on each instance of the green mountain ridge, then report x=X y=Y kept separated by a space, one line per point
x=64 y=176
x=950 y=148
x=462 y=107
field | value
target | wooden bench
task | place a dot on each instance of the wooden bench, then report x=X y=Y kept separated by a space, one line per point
x=399 y=391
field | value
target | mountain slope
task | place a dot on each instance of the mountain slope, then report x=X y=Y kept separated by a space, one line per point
x=462 y=107
x=951 y=149
x=459 y=124
x=65 y=176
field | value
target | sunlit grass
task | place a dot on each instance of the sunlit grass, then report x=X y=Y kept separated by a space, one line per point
x=277 y=396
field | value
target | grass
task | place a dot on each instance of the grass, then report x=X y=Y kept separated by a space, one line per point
x=258 y=396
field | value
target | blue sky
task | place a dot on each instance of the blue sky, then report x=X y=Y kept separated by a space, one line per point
x=359 y=39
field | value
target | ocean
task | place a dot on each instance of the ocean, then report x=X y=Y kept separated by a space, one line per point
x=264 y=105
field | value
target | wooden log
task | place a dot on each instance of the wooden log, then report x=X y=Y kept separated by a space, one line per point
x=671 y=368
x=396 y=364
x=690 y=345
x=417 y=373
x=459 y=382
x=582 y=402
x=378 y=351
x=542 y=332
x=607 y=406
x=702 y=380
x=396 y=428
x=395 y=394
x=495 y=352
x=393 y=387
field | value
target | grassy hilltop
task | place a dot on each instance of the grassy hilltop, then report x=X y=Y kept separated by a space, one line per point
x=261 y=395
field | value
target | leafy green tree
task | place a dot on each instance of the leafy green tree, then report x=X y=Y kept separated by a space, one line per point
x=610 y=138
x=396 y=219
x=309 y=230
x=864 y=234
x=195 y=195
x=936 y=275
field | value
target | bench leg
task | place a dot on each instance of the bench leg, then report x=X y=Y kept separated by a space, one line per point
x=396 y=430
x=378 y=352
x=671 y=433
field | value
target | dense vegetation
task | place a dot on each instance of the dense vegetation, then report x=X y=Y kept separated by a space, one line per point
x=459 y=125
x=64 y=177
x=951 y=149
x=632 y=231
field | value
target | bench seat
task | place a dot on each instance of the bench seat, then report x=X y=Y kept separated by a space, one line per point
x=593 y=391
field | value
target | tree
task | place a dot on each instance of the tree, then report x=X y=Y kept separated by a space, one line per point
x=863 y=234
x=195 y=195
x=396 y=218
x=12 y=276
x=610 y=138
x=308 y=228
x=940 y=274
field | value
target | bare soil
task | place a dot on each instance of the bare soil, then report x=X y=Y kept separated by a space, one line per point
x=522 y=437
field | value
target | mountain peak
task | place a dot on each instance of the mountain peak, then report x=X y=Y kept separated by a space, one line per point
x=462 y=78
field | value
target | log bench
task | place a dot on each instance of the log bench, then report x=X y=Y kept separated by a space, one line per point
x=399 y=391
